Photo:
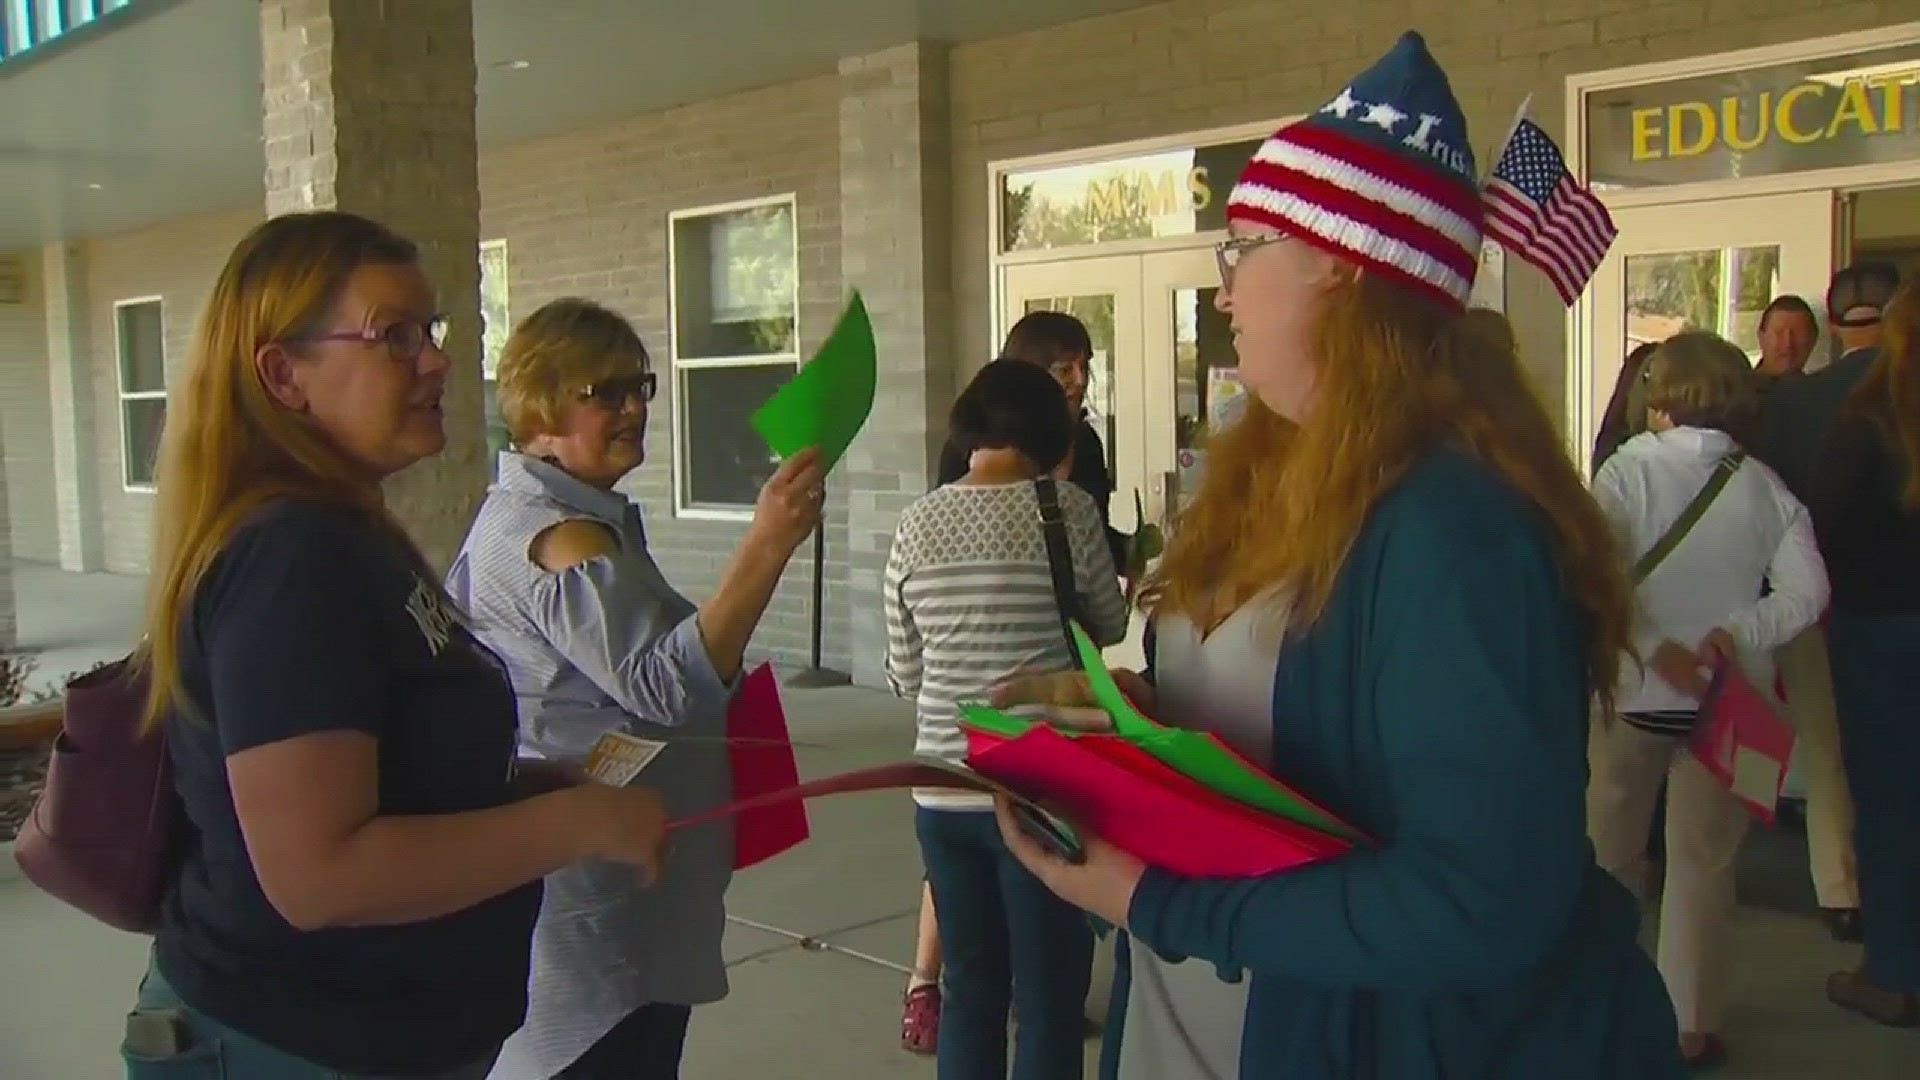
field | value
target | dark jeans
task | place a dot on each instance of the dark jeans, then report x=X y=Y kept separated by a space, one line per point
x=1009 y=942
x=1876 y=686
x=644 y=1046
x=214 y=1051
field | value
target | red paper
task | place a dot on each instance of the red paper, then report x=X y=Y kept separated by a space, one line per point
x=1743 y=742
x=904 y=774
x=761 y=751
x=1135 y=802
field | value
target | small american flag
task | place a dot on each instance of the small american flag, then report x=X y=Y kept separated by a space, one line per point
x=1536 y=210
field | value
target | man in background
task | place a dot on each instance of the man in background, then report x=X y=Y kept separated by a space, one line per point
x=1788 y=332
x=1797 y=410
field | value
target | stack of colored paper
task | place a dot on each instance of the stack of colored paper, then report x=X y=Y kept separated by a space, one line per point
x=1179 y=800
x=1743 y=742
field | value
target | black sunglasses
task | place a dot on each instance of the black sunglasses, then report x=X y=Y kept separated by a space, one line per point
x=614 y=393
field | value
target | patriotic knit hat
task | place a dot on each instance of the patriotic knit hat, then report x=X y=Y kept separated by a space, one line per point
x=1382 y=176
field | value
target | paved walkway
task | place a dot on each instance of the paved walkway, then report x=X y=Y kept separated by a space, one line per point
x=799 y=1011
x=67 y=623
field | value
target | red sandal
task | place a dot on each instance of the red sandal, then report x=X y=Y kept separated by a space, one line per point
x=920 y=1021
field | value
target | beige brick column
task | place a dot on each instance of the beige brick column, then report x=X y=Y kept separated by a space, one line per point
x=369 y=107
x=896 y=242
x=9 y=625
x=76 y=487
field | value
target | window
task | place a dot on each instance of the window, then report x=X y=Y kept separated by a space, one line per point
x=736 y=304
x=140 y=340
x=495 y=325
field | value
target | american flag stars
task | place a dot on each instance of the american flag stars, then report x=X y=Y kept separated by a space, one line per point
x=1420 y=128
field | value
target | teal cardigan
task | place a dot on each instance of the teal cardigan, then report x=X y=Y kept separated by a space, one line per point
x=1440 y=705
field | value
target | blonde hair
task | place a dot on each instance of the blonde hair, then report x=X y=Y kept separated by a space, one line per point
x=556 y=352
x=1700 y=379
x=1890 y=391
x=229 y=447
x=1281 y=504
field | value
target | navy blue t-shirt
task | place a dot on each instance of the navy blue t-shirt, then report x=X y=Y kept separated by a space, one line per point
x=316 y=619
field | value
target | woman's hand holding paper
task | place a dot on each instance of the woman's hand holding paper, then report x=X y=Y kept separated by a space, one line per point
x=1067 y=700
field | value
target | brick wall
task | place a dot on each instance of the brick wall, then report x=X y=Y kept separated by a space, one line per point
x=176 y=261
x=26 y=428
x=585 y=214
x=1195 y=64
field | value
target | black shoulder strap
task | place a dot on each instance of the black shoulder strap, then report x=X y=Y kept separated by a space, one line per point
x=1689 y=517
x=1066 y=595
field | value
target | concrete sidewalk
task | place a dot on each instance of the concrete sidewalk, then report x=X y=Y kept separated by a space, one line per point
x=801 y=1012
x=67 y=622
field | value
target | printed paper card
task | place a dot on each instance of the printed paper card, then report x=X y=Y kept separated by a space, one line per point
x=618 y=757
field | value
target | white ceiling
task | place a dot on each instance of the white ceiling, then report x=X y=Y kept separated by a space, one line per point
x=161 y=117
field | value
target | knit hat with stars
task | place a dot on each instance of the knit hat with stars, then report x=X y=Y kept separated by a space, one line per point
x=1382 y=176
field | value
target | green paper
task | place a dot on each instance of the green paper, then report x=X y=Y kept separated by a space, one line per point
x=1190 y=753
x=830 y=399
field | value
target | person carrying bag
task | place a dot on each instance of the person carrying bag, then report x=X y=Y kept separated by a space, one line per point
x=1716 y=530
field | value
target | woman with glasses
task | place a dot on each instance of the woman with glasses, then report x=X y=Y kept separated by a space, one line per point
x=1393 y=589
x=557 y=576
x=362 y=872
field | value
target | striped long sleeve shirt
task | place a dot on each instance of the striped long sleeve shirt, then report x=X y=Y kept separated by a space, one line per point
x=969 y=604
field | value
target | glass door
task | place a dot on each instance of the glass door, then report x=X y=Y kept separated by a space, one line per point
x=1163 y=363
x=1191 y=370
x=1699 y=266
x=1105 y=295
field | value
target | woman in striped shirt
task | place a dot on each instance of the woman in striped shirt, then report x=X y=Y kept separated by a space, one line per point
x=970 y=603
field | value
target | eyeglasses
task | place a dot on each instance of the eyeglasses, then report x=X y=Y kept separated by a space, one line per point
x=614 y=393
x=404 y=339
x=1228 y=253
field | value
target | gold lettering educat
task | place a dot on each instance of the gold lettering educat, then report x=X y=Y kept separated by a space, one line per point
x=1808 y=113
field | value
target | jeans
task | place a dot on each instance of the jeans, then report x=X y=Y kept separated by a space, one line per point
x=1876 y=686
x=1008 y=942
x=213 y=1051
x=644 y=1046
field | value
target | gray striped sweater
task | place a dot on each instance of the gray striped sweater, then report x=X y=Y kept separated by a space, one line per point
x=969 y=603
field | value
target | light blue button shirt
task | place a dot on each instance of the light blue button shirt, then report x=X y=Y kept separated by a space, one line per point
x=607 y=645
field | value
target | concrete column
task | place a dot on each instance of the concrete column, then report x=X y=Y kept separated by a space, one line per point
x=369 y=107
x=9 y=624
x=896 y=237
x=70 y=393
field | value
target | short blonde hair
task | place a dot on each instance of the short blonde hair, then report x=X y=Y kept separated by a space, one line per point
x=1700 y=379
x=554 y=354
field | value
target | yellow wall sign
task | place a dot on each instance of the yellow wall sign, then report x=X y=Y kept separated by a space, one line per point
x=1826 y=112
x=1175 y=192
x=1162 y=192
x=1861 y=106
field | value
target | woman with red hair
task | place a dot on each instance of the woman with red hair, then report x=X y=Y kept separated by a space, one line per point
x=1399 y=595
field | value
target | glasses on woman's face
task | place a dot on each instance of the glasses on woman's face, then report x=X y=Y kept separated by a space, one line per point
x=405 y=339
x=1228 y=253
x=614 y=393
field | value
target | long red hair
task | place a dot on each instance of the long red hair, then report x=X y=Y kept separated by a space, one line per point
x=1890 y=391
x=1281 y=504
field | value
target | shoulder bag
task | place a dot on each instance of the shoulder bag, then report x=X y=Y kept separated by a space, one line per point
x=1066 y=595
x=105 y=834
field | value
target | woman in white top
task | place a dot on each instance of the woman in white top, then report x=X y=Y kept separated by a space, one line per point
x=1744 y=580
x=970 y=603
